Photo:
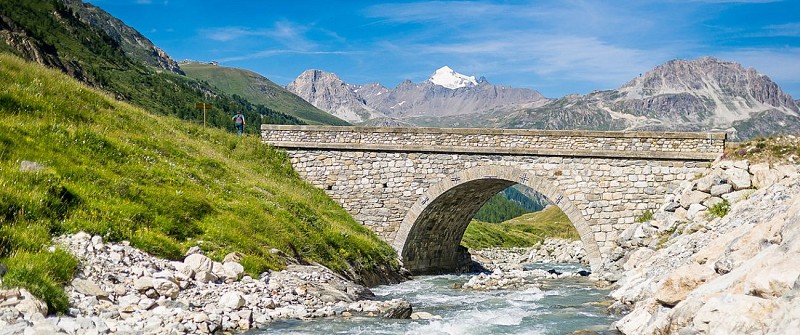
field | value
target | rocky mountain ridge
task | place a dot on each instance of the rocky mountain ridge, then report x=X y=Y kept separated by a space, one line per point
x=361 y=103
x=327 y=92
x=135 y=45
x=705 y=94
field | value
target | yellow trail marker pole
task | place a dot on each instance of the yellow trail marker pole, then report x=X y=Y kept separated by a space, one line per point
x=204 y=106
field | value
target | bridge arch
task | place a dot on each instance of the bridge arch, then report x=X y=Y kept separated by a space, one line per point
x=429 y=236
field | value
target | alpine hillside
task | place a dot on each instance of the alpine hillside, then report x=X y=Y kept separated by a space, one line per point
x=258 y=89
x=95 y=48
x=133 y=43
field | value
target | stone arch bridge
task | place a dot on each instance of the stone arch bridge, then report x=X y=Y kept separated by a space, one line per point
x=418 y=188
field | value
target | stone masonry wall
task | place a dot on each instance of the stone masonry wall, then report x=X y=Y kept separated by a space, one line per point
x=378 y=188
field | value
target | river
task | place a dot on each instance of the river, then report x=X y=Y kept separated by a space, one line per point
x=560 y=306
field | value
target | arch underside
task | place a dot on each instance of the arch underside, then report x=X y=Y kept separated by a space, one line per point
x=429 y=237
x=438 y=230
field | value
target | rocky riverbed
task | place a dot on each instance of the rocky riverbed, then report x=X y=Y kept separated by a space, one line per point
x=689 y=271
x=120 y=289
x=507 y=267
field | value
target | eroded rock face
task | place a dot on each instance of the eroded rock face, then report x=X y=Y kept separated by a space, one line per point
x=739 y=274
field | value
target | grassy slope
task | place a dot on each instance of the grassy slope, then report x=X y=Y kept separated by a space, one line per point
x=115 y=170
x=259 y=90
x=523 y=231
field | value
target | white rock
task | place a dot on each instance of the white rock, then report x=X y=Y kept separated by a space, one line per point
x=204 y=276
x=198 y=263
x=721 y=189
x=694 y=209
x=233 y=269
x=737 y=196
x=738 y=178
x=231 y=300
x=143 y=283
x=166 y=288
x=693 y=197
x=742 y=164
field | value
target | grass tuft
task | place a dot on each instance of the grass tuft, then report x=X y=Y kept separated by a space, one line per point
x=720 y=209
x=646 y=216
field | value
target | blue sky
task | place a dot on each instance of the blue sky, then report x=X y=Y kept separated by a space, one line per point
x=555 y=47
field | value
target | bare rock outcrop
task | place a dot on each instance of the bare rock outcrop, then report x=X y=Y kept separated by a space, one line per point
x=738 y=274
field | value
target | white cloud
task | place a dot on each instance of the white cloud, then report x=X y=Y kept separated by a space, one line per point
x=276 y=52
x=787 y=30
x=282 y=32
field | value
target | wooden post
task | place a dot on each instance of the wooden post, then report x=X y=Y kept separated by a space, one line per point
x=203 y=106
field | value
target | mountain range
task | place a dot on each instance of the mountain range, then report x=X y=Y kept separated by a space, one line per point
x=705 y=94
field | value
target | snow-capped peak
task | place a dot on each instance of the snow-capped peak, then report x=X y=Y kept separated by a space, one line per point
x=445 y=76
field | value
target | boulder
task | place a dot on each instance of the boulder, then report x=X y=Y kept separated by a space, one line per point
x=233 y=257
x=765 y=178
x=421 y=316
x=682 y=281
x=198 y=263
x=733 y=314
x=396 y=309
x=704 y=184
x=694 y=210
x=205 y=277
x=28 y=304
x=737 y=196
x=143 y=283
x=787 y=171
x=232 y=270
x=693 y=197
x=166 y=288
x=193 y=250
x=89 y=288
x=680 y=214
x=738 y=178
x=671 y=206
x=231 y=300
x=718 y=190
x=758 y=168
x=710 y=202
x=636 y=258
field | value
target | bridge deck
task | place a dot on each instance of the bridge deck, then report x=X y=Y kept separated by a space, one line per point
x=570 y=143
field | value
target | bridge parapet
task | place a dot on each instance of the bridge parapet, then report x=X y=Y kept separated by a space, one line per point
x=571 y=143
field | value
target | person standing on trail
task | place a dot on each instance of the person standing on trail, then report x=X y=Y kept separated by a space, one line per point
x=238 y=121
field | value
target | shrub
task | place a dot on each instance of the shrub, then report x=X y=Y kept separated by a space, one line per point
x=646 y=216
x=720 y=209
